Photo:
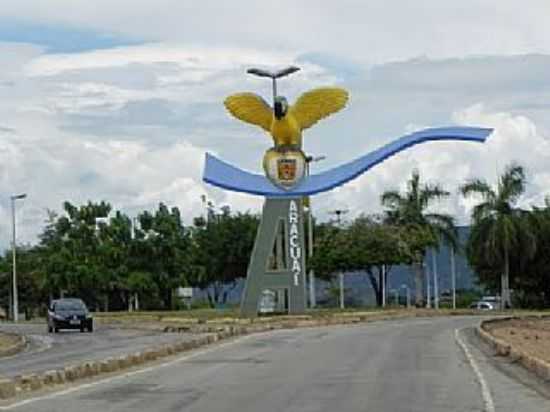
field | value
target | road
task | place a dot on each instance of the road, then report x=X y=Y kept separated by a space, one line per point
x=396 y=366
x=48 y=351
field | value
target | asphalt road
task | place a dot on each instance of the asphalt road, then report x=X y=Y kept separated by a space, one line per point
x=412 y=365
x=48 y=351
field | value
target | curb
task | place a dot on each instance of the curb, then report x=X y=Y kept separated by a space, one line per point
x=11 y=387
x=16 y=347
x=533 y=364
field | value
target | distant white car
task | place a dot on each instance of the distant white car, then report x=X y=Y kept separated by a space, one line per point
x=482 y=305
x=268 y=301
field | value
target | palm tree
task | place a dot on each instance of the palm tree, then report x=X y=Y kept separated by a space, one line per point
x=424 y=229
x=498 y=228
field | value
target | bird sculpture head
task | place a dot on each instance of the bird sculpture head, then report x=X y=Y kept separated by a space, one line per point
x=280 y=107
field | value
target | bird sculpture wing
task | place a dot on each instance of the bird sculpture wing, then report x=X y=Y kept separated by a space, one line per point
x=318 y=103
x=250 y=108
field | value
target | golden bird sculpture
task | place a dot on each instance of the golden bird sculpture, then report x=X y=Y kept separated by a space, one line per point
x=283 y=122
x=285 y=163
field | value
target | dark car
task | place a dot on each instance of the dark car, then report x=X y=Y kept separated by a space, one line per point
x=69 y=314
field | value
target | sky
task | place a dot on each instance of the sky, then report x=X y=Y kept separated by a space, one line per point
x=120 y=100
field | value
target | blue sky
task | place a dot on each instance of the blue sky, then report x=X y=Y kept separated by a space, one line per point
x=59 y=39
x=120 y=100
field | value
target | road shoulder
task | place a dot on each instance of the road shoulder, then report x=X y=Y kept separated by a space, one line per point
x=512 y=387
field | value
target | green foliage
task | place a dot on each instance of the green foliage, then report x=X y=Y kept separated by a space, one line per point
x=160 y=257
x=221 y=249
x=465 y=297
x=422 y=229
x=410 y=210
x=502 y=238
x=111 y=261
x=366 y=245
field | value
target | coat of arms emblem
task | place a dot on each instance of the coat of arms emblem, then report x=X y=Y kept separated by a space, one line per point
x=284 y=168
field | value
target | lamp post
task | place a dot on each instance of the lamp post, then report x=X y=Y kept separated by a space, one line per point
x=428 y=291
x=339 y=213
x=312 y=300
x=453 y=276
x=383 y=286
x=14 y=267
x=273 y=75
x=436 y=280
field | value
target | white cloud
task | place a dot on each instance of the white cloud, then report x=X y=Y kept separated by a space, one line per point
x=131 y=125
x=515 y=139
x=371 y=32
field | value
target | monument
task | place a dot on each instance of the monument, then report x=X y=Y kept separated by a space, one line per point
x=277 y=265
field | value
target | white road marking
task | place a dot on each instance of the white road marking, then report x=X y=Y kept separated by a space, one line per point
x=485 y=391
x=129 y=374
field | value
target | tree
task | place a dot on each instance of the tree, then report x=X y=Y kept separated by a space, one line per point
x=532 y=279
x=29 y=277
x=422 y=228
x=221 y=252
x=163 y=250
x=367 y=245
x=499 y=229
x=69 y=252
x=374 y=248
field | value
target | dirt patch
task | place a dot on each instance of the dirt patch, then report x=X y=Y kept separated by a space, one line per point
x=531 y=336
x=8 y=342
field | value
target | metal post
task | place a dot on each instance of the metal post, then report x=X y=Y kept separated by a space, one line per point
x=338 y=213
x=205 y=204
x=428 y=291
x=453 y=276
x=436 y=283
x=134 y=224
x=312 y=298
x=312 y=301
x=408 y=298
x=14 y=269
x=14 y=263
x=396 y=293
x=341 y=276
x=10 y=303
x=383 y=286
x=274 y=88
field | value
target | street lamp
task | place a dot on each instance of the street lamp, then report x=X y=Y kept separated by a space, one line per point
x=339 y=213
x=312 y=301
x=435 y=280
x=428 y=287
x=273 y=75
x=453 y=276
x=14 y=268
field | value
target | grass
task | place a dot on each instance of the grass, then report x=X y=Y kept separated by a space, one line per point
x=231 y=316
x=7 y=341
